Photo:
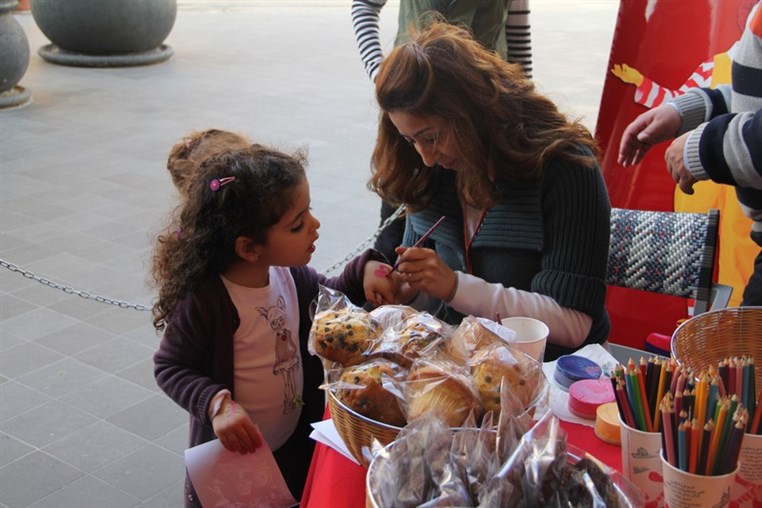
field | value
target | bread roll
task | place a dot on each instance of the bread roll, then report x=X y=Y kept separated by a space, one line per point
x=363 y=390
x=344 y=335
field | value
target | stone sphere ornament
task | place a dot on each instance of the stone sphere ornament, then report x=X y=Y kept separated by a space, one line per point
x=14 y=57
x=101 y=33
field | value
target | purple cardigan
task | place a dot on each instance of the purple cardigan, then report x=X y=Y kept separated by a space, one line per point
x=195 y=358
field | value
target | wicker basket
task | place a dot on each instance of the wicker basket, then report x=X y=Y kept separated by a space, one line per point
x=706 y=339
x=358 y=431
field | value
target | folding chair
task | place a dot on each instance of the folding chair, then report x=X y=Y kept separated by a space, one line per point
x=669 y=253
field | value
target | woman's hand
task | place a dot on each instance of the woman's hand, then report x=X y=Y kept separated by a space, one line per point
x=234 y=428
x=423 y=270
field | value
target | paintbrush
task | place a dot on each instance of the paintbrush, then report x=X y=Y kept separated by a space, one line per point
x=421 y=239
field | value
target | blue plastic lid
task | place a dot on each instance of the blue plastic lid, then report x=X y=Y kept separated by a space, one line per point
x=571 y=368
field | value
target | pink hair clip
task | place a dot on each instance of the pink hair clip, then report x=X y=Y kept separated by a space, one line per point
x=217 y=183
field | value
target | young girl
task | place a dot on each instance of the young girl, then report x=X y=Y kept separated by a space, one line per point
x=233 y=302
x=187 y=155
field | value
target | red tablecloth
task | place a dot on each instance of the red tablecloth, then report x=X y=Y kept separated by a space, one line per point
x=336 y=482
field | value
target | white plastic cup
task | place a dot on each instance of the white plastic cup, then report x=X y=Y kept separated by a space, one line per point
x=688 y=490
x=641 y=463
x=531 y=335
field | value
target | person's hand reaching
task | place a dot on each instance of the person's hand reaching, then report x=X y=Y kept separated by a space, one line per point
x=649 y=129
x=234 y=428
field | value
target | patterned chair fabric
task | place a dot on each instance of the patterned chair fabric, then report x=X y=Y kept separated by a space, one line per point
x=664 y=252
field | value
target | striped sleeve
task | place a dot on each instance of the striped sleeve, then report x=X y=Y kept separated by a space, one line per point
x=727 y=149
x=365 y=18
x=518 y=35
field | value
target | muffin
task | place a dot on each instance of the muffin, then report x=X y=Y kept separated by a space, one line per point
x=361 y=389
x=475 y=333
x=389 y=316
x=419 y=336
x=344 y=335
x=521 y=372
x=443 y=389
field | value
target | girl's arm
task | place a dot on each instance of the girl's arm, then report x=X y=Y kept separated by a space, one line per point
x=182 y=363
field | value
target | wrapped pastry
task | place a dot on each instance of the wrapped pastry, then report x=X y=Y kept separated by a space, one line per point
x=475 y=333
x=522 y=374
x=389 y=316
x=419 y=336
x=441 y=388
x=344 y=335
x=361 y=388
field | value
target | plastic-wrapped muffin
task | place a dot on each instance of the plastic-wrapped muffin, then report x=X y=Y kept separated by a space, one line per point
x=475 y=333
x=389 y=316
x=523 y=376
x=344 y=335
x=419 y=336
x=361 y=388
x=442 y=388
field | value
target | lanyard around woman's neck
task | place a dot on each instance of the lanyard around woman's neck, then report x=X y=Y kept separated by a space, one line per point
x=467 y=242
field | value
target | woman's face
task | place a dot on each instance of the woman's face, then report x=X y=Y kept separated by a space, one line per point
x=430 y=137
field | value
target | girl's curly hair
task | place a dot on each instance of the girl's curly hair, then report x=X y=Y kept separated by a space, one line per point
x=200 y=241
x=186 y=156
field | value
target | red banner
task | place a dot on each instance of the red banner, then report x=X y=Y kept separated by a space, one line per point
x=660 y=48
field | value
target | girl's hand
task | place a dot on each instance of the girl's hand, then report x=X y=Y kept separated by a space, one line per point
x=423 y=270
x=380 y=287
x=234 y=428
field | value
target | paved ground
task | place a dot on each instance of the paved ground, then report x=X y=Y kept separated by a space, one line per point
x=83 y=189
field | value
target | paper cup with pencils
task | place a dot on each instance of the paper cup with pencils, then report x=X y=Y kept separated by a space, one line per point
x=640 y=462
x=703 y=429
x=686 y=490
x=638 y=387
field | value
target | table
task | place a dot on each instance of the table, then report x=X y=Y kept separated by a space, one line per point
x=336 y=482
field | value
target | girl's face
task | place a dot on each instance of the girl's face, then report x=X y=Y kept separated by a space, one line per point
x=291 y=241
x=430 y=137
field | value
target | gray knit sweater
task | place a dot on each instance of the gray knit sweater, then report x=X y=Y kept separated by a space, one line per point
x=548 y=236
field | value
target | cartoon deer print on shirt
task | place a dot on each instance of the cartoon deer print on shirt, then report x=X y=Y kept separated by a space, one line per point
x=286 y=358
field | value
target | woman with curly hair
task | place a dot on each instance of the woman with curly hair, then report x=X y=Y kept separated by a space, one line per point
x=464 y=134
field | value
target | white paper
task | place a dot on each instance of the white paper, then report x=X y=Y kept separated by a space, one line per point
x=230 y=479
x=559 y=399
x=325 y=432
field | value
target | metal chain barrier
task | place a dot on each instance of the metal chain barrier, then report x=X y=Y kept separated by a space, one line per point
x=88 y=295
x=399 y=212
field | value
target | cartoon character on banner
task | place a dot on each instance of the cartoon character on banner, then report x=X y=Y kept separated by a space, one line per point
x=736 y=251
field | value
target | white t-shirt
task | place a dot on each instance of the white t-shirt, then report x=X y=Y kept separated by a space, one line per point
x=266 y=355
